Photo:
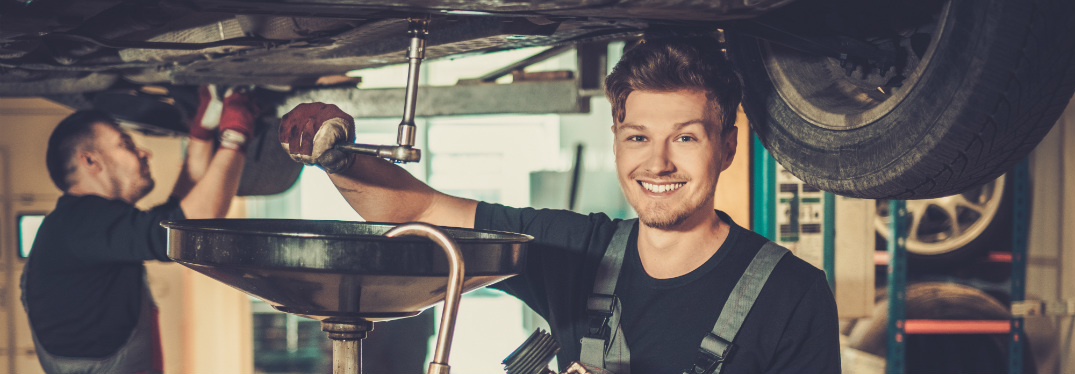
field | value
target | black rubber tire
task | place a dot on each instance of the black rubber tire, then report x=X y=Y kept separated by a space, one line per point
x=942 y=353
x=997 y=76
x=268 y=169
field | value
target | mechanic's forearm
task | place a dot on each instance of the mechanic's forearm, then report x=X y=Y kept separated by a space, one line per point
x=212 y=195
x=381 y=191
x=199 y=154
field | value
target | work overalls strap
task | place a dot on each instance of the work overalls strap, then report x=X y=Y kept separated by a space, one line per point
x=717 y=344
x=604 y=344
x=140 y=354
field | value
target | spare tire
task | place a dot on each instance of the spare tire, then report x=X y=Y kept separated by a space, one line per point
x=942 y=353
x=981 y=83
x=954 y=229
x=268 y=170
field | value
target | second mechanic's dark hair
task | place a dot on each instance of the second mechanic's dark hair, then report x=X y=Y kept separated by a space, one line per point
x=66 y=139
x=675 y=63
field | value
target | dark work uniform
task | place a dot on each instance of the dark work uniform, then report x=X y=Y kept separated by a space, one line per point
x=84 y=280
x=792 y=328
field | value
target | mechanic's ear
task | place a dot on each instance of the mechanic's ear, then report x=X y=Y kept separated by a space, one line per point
x=729 y=141
x=613 y=128
x=87 y=159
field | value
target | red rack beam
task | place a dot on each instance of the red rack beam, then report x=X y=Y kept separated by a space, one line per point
x=947 y=326
x=881 y=257
x=1000 y=257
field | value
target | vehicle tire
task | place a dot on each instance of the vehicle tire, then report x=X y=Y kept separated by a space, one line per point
x=268 y=170
x=957 y=228
x=942 y=353
x=993 y=79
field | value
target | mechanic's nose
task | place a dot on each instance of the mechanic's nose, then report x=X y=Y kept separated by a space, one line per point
x=659 y=159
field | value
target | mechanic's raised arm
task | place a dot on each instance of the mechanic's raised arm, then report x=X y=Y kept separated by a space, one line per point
x=200 y=147
x=378 y=190
x=213 y=177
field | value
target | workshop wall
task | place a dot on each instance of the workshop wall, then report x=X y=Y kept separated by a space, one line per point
x=1051 y=245
x=25 y=187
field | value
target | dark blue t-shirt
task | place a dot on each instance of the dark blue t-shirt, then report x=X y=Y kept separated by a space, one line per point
x=792 y=328
x=85 y=274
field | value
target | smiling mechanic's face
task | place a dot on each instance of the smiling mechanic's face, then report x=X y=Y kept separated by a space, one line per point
x=669 y=154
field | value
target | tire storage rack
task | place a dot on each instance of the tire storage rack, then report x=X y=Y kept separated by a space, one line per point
x=764 y=222
x=899 y=327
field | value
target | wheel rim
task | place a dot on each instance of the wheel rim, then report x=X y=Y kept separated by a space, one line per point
x=821 y=91
x=945 y=224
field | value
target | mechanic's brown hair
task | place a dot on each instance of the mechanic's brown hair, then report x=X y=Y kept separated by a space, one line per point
x=675 y=63
x=69 y=137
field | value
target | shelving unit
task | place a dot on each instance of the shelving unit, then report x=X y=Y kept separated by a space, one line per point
x=766 y=222
x=899 y=327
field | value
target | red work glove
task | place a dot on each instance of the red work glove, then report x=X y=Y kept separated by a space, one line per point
x=237 y=119
x=207 y=118
x=311 y=131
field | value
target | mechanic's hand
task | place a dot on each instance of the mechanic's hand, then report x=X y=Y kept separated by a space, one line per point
x=237 y=118
x=207 y=118
x=311 y=131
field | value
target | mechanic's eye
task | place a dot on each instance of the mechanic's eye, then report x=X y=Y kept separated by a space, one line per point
x=635 y=138
x=686 y=138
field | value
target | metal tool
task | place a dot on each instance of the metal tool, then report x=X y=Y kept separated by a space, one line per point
x=533 y=356
x=404 y=151
x=348 y=275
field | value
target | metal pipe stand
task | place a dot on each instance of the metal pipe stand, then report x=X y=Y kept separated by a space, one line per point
x=346 y=344
x=347 y=334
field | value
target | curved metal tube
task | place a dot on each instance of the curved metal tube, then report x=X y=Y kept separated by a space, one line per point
x=439 y=365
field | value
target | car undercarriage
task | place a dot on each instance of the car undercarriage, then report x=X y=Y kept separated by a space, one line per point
x=875 y=99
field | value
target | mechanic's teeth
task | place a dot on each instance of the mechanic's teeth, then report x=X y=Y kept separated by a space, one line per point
x=661 y=188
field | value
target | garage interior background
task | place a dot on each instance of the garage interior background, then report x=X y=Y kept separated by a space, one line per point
x=209 y=327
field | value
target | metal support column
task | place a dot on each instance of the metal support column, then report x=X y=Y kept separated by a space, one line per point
x=897 y=287
x=764 y=177
x=828 y=256
x=1020 y=222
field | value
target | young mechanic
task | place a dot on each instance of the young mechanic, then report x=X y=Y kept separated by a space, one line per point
x=683 y=288
x=84 y=285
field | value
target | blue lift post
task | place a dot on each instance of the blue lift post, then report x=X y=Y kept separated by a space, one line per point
x=897 y=287
x=829 y=254
x=1020 y=225
x=764 y=204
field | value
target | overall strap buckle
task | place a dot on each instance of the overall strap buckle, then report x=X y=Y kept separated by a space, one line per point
x=712 y=353
x=599 y=308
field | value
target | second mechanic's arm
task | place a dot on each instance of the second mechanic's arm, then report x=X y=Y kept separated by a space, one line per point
x=212 y=191
x=377 y=189
x=200 y=144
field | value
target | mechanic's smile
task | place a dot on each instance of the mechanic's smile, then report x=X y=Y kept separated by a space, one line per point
x=661 y=188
